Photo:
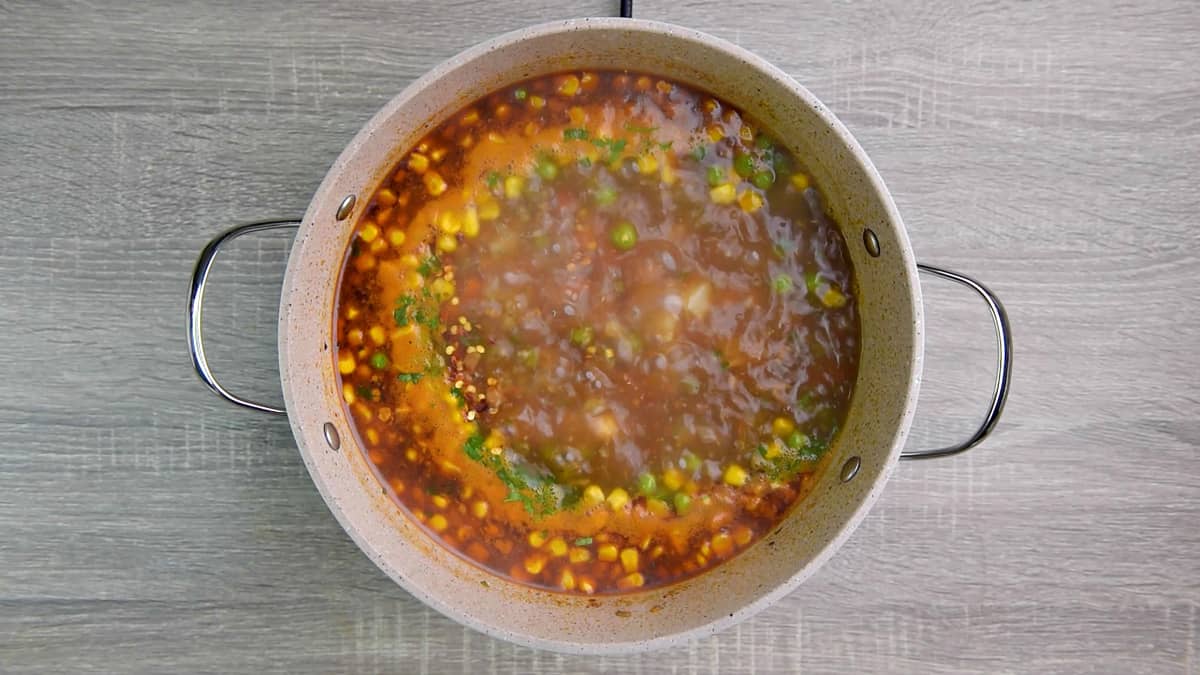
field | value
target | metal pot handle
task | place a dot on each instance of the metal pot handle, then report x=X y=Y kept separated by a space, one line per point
x=196 y=305
x=1003 y=366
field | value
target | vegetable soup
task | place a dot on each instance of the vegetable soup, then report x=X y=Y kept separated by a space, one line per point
x=596 y=332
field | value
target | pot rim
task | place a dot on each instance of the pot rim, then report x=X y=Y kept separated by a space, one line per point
x=320 y=206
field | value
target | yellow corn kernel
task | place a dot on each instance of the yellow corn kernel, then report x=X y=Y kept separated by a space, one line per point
x=434 y=183
x=354 y=336
x=579 y=555
x=377 y=335
x=438 y=522
x=346 y=363
x=723 y=194
x=735 y=476
x=446 y=243
x=369 y=232
x=440 y=501
x=471 y=117
x=385 y=198
x=706 y=549
x=569 y=86
x=377 y=246
x=800 y=181
x=449 y=222
x=629 y=559
x=442 y=289
x=782 y=426
x=479 y=509
x=513 y=186
x=587 y=585
x=372 y=436
x=536 y=539
x=396 y=237
x=451 y=467
x=672 y=479
x=557 y=547
x=494 y=441
x=647 y=163
x=411 y=261
x=592 y=495
x=631 y=581
x=750 y=201
x=658 y=507
x=418 y=162
x=833 y=298
x=537 y=102
x=534 y=564
x=411 y=455
x=437 y=155
x=715 y=133
x=668 y=173
x=489 y=210
x=567 y=580
x=617 y=499
x=607 y=552
x=722 y=544
x=577 y=115
x=470 y=222
x=774 y=449
x=743 y=535
x=352 y=312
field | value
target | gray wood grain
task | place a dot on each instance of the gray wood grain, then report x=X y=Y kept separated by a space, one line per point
x=1049 y=148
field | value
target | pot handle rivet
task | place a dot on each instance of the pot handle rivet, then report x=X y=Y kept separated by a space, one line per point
x=344 y=209
x=871 y=241
x=332 y=437
x=850 y=469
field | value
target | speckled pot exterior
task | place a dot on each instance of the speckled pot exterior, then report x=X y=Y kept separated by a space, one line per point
x=880 y=412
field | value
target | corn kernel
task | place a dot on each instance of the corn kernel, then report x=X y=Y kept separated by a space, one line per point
x=449 y=222
x=372 y=436
x=411 y=454
x=471 y=117
x=774 y=449
x=617 y=499
x=352 y=312
x=630 y=581
x=377 y=246
x=348 y=393
x=833 y=298
x=442 y=289
x=489 y=210
x=723 y=194
x=557 y=547
x=535 y=564
x=658 y=507
x=750 y=201
x=346 y=363
x=715 y=133
x=672 y=479
x=578 y=555
x=369 y=232
x=438 y=522
x=437 y=155
x=668 y=173
x=607 y=553
x=513 y=186
x=377 y=335
x=743 y=535
x=593 y=495
x=470 y=222
x=354 y=336
x=418 y=162
x=800 y=181
x=587 y=585
x=735 y=475
x=434 y=183
x=494 y=441
x=479 y=509
x=722 y=544
x=567 y=580
x=536 y=539
x=537 y=102
x=569 y=86
x=577 y=115
x=629 y=559
x=647 y=163
x=782 y=426
x=396 y=237
x=440 y=501
x=446 y=243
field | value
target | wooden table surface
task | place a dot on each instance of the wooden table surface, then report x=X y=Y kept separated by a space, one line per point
x=1049 y=148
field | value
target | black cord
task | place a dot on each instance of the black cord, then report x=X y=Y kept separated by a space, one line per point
x=626 y=9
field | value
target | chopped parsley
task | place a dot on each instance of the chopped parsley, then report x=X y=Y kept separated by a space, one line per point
x=365 y=392
x=410 y=378
x=536 y=495
x=575 y=134
x=583 y=541
x=429 y=266
x=615 y=147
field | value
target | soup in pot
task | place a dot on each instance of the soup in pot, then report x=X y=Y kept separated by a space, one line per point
x=596 y=332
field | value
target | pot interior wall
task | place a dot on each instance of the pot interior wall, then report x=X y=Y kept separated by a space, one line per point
x=885 y=393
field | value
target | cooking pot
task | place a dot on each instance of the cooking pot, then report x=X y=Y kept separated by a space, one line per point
x=863 y=455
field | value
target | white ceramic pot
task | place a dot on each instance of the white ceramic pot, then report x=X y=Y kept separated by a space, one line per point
x=863 y=455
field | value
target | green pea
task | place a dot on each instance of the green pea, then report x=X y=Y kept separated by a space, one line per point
x=624 y=235
x=783 y=283
x=743 y=165
x=715 y=176
x=582 y=335
x=646 y=483
x=763 y=143
x=797 y=440
x=682 y=503
x=520 y=94
x=763 y=180
x=379 y=360
x=546 y=168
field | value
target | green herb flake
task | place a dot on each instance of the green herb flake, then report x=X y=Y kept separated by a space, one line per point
x=639 y=129
x=493 y=179
x=403 y=304
x=410 y=378
x=429 y=266
x=583 y=541
x=473 y=447
x=585 y=162
x=364 y=392
x=575 y=134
